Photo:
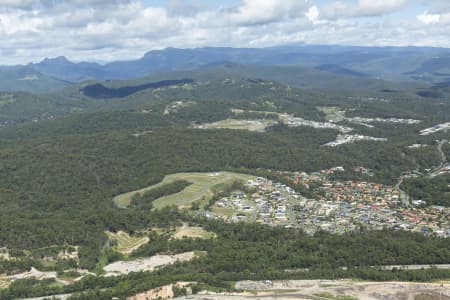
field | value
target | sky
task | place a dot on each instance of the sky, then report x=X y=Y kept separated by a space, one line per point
x=107 y=30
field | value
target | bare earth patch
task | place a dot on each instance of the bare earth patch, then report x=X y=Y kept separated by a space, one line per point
x=146 y=264
x=33 y=273
x=329 y=289
x=164 y=292
x=250 y=125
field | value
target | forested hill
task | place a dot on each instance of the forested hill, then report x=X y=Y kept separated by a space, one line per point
x=226 y=81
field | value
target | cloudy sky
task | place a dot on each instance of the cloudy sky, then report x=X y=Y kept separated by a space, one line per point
x=105 y=30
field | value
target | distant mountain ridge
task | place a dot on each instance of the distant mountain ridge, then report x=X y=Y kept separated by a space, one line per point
x=401 y=64
x=373 y=61
x=61 y=67
x=26 y=78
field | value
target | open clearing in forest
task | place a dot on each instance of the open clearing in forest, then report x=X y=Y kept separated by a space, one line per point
x=250 y=125
x=332 y=113
x=202 y=189
x=126 y=243
x=192 y=232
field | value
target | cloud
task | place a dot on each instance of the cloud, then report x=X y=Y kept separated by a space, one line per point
x=186 y=7
x=102 y=30
x=437 y=6
x=21 y=4
x=427 y=18
x=361 y=8
x=313 y=14
x=45 y=4
x=257 y=12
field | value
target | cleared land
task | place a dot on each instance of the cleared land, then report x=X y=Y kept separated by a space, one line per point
x=126 y=243
x=250 y=125
x=174 y=107
x=59 y=297
x=202 y=189
x=34 y=273
x=192 y=232
x=332 y=289
x=146 y=264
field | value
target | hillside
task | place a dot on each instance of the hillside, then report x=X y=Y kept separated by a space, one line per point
x=27 y=79
x=225 y=81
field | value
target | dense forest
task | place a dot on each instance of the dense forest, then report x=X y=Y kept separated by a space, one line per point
x=50 y=186
x=250 y=251
x=434 y=191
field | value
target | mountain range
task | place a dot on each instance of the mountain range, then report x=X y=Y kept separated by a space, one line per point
x=430 y=65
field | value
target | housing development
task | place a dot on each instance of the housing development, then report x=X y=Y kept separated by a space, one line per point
x=337 y=206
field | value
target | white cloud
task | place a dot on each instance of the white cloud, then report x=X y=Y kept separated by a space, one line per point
x=427 y=18
x=16 y=3
x=379 y=7
x=361 y=8
x=313 y=14
x=255 y=12
x=126 y=29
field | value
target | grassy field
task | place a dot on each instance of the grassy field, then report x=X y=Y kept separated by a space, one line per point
x=202 y=189
x=126 y=243
x=250 y=125
x=192 y=232
x=225 y=212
